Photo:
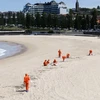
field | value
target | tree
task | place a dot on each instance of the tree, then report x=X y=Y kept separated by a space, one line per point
x=94 y=18
x=63 y=21
x=18 y=18
x=10 y=21
x=13 y=19
x=43 y=20
x=37 y=20
x=84 y=24
x=88 y=21
x=32 y=21
x=71 y=24
x=28 y=20
x=22 y=19
x=55 y=21
x=77 y=22
x=69 y=21
x=49 y=20
x=92 y=22
x=1 y=19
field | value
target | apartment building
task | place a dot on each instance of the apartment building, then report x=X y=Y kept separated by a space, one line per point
x=47 y=7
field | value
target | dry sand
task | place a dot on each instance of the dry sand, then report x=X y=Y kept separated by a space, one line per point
x=78 y=78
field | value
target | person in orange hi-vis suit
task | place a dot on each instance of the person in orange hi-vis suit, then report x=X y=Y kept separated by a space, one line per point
x=63 y=57
x=26 y=81
x=48 y=61
x=90 y=52
x=59 y=53
x=45 y=63
x=68 y=55
x=54 y=62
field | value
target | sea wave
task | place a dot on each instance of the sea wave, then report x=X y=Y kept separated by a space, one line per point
x=2 y=52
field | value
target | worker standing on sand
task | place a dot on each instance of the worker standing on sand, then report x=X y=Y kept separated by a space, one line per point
x=26 y=81
x=59 y=53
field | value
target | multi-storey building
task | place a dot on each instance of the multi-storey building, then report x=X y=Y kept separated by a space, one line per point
x=49 y=7
x=27 y=7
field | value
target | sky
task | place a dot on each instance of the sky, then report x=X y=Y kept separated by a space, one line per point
x=17 y=5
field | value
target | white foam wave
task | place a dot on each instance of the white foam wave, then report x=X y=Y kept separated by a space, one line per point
x=2 y=52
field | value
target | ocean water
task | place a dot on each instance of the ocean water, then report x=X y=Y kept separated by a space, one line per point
x=2 y=52
x=8 y=49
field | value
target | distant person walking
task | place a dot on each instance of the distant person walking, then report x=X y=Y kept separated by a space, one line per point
x=26 y=81
x=59 y=53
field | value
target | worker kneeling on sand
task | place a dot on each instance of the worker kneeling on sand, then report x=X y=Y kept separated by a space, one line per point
x=54 y=62
x=45 y=63
x=48 y=61
x=63 y=57
x=68 y=55
x=26 y=81
x=90 y=52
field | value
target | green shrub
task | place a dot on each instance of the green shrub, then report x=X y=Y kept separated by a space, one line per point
x=50 y=31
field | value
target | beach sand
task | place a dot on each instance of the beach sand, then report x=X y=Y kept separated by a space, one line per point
x=78 y=78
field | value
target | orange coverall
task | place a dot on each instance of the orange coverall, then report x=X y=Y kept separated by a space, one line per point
x=63 y=57
x=90 y=52
x=48 y=61
x=26 y=81
x=54 y=62
x=45 y=63
x=59 y=53
x=67 y=56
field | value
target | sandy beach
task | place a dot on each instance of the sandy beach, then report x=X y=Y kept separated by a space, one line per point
x=78 y=78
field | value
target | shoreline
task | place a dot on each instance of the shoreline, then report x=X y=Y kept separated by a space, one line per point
x=21 y=49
